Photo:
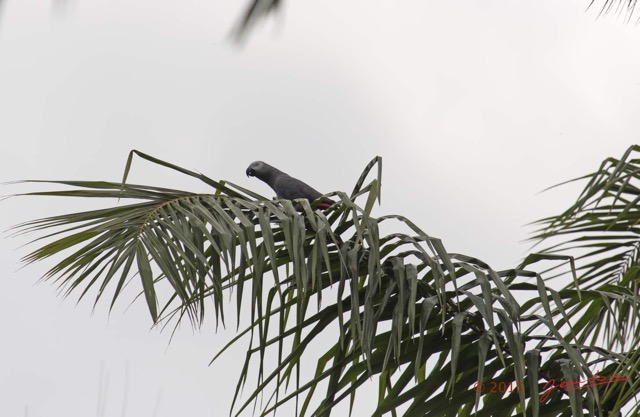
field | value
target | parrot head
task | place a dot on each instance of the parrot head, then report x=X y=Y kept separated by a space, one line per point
x=256 y=168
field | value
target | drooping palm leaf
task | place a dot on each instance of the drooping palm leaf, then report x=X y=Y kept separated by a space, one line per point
x=601 y=229
x=255 y=10
x=428 y=323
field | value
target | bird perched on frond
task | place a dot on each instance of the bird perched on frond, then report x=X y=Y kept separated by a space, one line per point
x=284 y=185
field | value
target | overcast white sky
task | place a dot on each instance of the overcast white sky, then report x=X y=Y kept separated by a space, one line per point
x=474 y=106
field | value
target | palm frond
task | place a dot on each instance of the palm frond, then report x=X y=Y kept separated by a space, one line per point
x=428 y=323
x=624 y=8
x=601 y=229
x=255 y=10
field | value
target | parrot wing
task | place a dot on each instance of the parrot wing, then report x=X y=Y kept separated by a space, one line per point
x=291 y=188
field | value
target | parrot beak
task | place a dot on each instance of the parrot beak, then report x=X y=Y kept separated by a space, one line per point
x=250 y=172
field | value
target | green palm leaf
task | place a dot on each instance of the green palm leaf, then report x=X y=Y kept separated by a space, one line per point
x=601 y=230
x=429 y=324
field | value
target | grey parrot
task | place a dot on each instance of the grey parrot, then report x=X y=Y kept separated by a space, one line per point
x=285 y=185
